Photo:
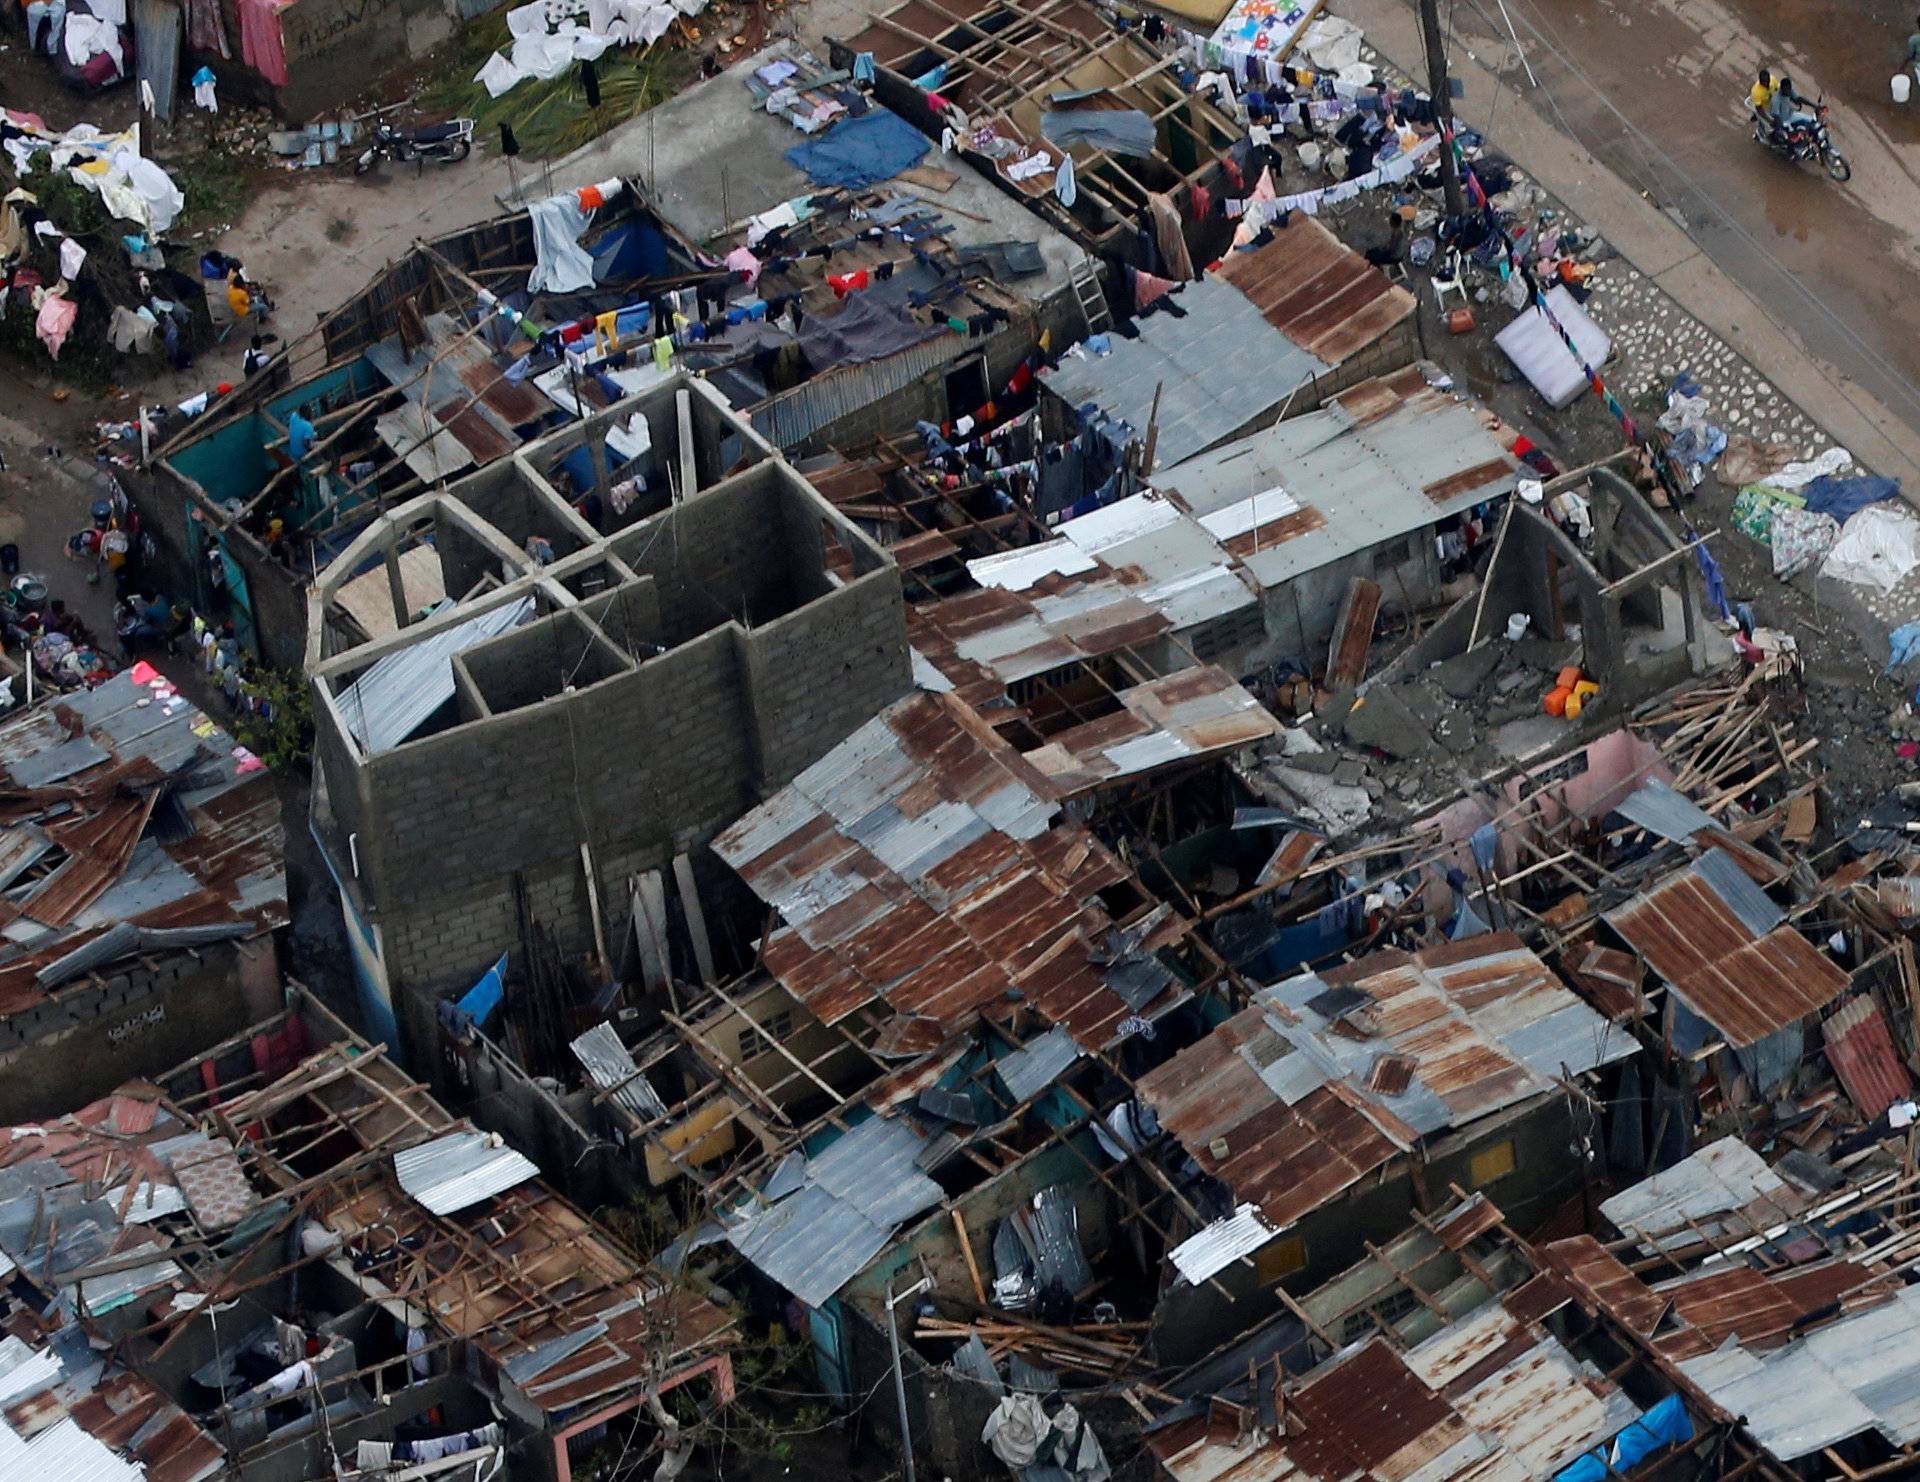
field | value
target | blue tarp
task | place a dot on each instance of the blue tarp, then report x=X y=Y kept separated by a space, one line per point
x=1666 y=1424
x=1905 y=643
x=484 y=996
x=1845 y=498
x=858 y=152
x=635 y=249
x=578 y=467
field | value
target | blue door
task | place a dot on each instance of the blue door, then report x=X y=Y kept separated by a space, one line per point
x=830 y=1349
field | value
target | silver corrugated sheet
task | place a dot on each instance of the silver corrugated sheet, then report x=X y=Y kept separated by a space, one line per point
x=57 y=763
x=394 y=698
x=1859 y=1374
x=1660 y=810
x=460 y=1169
x=1723 y=875
x=24 y=1370
x=608 y=1062
x=63 y=1452
x=1691 y=1199
x=859 y=1188
x=1220 y=1244
x=1217 y=368
x=794 y=416
x=1033 y=1067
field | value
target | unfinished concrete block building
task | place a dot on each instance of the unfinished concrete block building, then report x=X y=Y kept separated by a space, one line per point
x=512 y=703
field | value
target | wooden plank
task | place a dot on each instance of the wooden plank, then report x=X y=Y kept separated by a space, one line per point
x=966 y=1250
x=1352 y=637
x=696 y=918
x=650 y=929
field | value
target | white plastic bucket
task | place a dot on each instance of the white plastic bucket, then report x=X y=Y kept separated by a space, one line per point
x=1517 y=627
x=1902 y=87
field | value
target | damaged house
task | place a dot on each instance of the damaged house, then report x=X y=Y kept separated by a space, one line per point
x=1749 y=1321
x=1340 y=1101
x=624 y=661
x=142 y=885
x=301 y=1249
x=1249 y=551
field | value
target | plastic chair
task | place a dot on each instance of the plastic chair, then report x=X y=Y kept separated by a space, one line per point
x=1451 y=281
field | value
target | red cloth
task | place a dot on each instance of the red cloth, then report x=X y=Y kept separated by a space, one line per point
x=1149 y=289
x=847 y=283
x=261 y=45
x=590 y=198
x=1022 y=379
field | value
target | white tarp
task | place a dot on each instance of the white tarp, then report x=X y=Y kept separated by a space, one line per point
x=1538 y=352
x=1877 y=547
x=133 y=188
x=549 y=36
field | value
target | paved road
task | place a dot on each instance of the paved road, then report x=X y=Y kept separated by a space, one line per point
x=1650 y=89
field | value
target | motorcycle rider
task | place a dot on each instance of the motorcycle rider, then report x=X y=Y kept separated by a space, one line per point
x=1787 y=110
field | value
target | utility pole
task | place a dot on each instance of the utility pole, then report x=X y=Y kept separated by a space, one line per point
x=899 y=1380
x=1442 y=103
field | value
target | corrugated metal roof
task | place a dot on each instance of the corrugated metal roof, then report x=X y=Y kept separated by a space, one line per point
x=460 y=1169
x=1487 y=1398
x=1195 y=713
x=24 y=1369
x=1485 y=1022
x=1723 y=1189
x=1115 y=579
x=857 y=1191
x=165 y=831
x=1861 y=1051
x=610 y=1064
x=1037 y=1064
x=394 y=698
x=1713 y=935
x=918 y=864
x=1858 y=1374
x=66 y=1452
x=1367 y=466
x=1657 y=808
x=1318 y=291
x=1217 y=368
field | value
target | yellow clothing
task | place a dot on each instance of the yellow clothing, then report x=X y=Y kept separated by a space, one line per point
x=1760 y=94
x=239 y=300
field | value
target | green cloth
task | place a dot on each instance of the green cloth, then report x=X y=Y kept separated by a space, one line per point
x=1755 y=506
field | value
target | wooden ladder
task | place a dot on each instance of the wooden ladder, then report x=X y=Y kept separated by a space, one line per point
x=1093 y=303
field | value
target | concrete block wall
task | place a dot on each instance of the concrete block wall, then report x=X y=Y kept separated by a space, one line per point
x=819 y=674
x=135 y=1019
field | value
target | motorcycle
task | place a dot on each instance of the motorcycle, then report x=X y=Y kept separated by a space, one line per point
x=1805 y=138
x=449 y=143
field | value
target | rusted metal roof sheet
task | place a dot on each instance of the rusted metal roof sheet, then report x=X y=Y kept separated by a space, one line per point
x=1858 y=1374
x=1610 y=980
x=1701 y=930
x=1196 y=713
x=1288 y=1111
x=1352 y=638
x=1862 y=1054
x=1487 y=1399
x=1374 y=461
x=1759 y=1309
x=918 y=863
x=1317 y=291
x=1602 y=1284
x=219 y=861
